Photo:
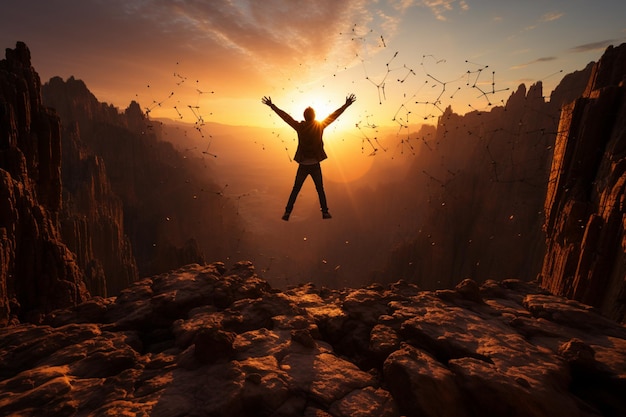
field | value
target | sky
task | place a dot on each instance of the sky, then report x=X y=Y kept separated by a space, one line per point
x=406 y=60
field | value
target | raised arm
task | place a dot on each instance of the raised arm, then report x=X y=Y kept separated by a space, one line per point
x=332 y=117
x=283 y=115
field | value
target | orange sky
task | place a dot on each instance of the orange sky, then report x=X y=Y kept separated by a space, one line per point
x=405 y=60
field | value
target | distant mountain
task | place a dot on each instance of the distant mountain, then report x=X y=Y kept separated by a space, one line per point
x=94 y=199
x=476 y=190
x=172 y=211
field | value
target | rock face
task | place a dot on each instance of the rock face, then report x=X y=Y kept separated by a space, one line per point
x=480 y=183
x=38 y=272
x=86 y=194
x=92 y=219
x=204 y=340
x=170 y=210
x=585 y=212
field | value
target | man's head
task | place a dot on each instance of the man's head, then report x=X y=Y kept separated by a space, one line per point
x=309 y=114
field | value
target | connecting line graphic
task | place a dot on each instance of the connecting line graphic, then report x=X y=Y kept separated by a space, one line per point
x=426 y=143
x=476 y=71
x=365 y=138
x=156 y=103
x=409 y=72
x=443 y=88
x=183 y=111
x=366 y=44
x=180 y=115
x=380 y=86
x=403 y=123
x=551 y=75
x=435 y=102
x=181 y=79
x=486 y=94
x=435 y=82
x=284 y=144
x=391 y=78
x=442 y=183
x=475 y=85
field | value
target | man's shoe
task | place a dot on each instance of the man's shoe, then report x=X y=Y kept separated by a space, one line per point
x=326 y=215
x=286 y=216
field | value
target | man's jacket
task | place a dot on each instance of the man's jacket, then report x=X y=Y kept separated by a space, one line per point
x=310 y=143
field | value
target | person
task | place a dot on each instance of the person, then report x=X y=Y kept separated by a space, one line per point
x=310 y=151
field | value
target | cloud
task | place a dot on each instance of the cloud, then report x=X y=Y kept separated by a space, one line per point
x=548 y=17
x=401 y=5
x=588 y=47
x=440 y=7
x=272 y=34
x=551 y=16
x=535 y=61
x=593 y=46
x=239 y=42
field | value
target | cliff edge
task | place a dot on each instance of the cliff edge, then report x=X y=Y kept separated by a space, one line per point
x=585 y=211
x=38 y=273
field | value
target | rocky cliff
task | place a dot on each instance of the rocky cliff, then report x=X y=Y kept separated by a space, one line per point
x=585 y=213
x=74 y=191
x=207 y=341
x=37 y=271
x=478 y=187
x=76 y=178
x=92 y=219
x=170 y=208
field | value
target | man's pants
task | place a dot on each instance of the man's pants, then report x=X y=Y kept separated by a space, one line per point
x=315 y=171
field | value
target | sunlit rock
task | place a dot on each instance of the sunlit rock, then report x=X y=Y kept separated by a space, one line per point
x=157 y=350
x=586 y=238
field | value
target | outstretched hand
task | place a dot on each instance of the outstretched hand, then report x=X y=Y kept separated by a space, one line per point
x=350 y=99
x=267 y=100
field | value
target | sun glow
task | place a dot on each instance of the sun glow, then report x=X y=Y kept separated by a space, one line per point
x=345 y=163
x=323 y=106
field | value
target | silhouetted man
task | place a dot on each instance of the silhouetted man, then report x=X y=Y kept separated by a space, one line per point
x=310 y=151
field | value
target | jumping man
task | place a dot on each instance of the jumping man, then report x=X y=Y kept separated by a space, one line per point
x=310 y=151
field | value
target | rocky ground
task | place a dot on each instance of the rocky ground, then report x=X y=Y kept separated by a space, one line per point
x=207 y=341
